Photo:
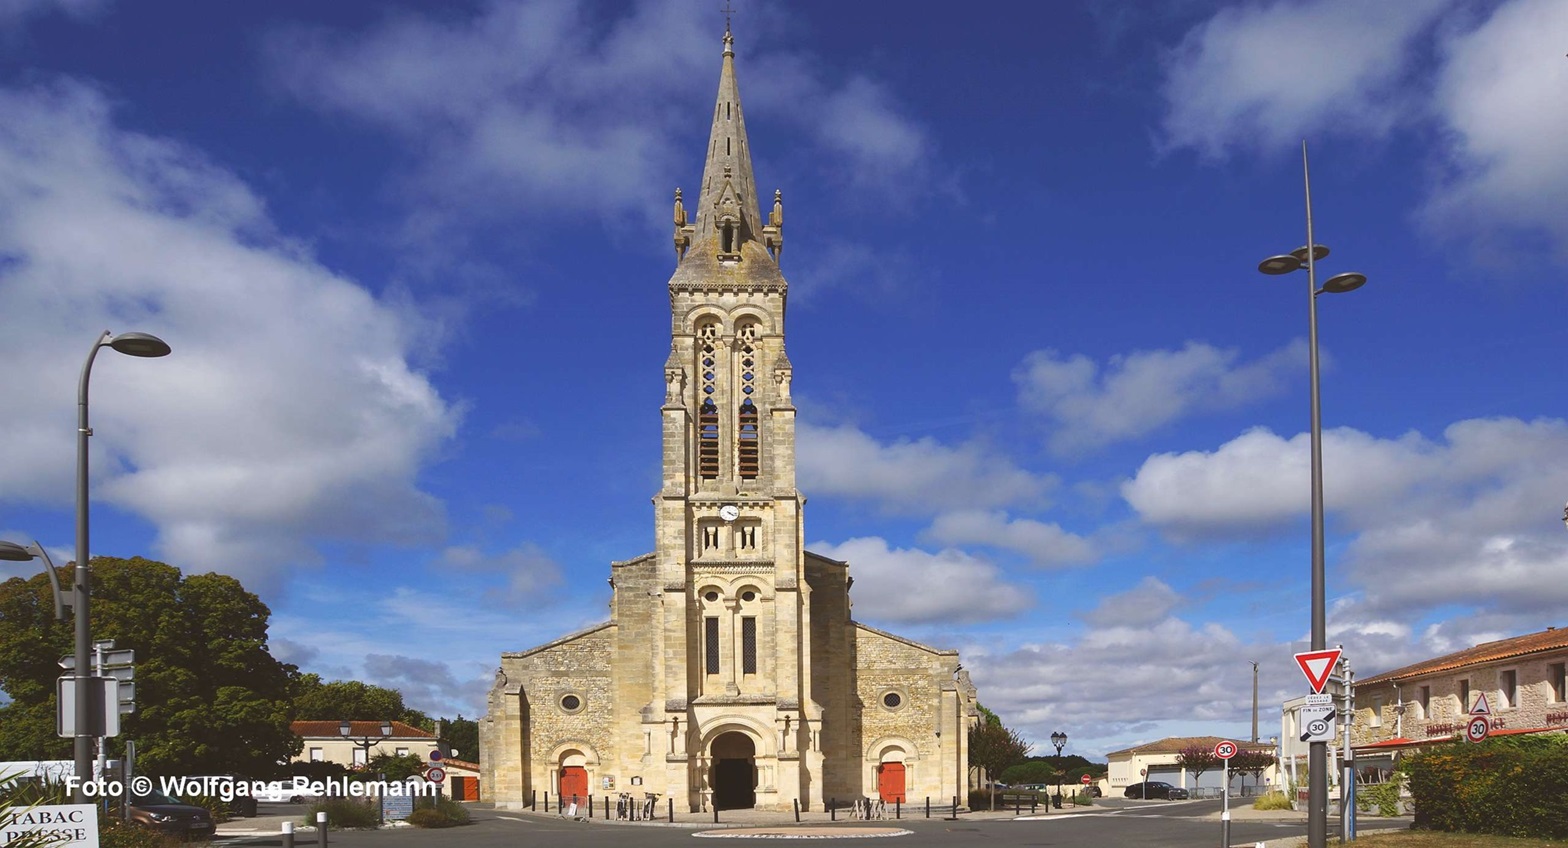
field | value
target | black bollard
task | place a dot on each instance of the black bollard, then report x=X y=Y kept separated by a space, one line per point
x=928 y=806
x=832 y=809
x=715 y=813
x=797 y=811
x=1018 y=805
x=671 y=802
x=898 y=807
x=590 y=806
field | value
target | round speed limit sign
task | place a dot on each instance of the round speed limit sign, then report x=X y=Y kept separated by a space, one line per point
x=1225 y=750
x=1477 y=729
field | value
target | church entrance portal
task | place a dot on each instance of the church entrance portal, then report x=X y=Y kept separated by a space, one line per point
x=890 y=782
x=734 y=773
x=574 y=784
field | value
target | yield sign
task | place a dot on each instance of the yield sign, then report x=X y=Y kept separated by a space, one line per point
x=1317 y=665
x=1481 y=708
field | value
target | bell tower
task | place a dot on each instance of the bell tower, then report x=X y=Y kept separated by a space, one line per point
x=735 y=641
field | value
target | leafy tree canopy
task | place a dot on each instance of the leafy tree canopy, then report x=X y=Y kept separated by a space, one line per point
x=210 y=698
x=1045 y=770
x=1198 y=759
x=462 y=735
x=339 y=700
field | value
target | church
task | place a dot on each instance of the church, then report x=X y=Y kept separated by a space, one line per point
x=731 y=673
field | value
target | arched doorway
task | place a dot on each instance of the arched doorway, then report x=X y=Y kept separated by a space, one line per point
x=890 y=782
x=734 y=776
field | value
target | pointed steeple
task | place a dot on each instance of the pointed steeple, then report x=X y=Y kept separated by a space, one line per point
x=729 y=193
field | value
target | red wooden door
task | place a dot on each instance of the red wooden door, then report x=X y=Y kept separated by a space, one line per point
x=890 y=782
x=574 y=781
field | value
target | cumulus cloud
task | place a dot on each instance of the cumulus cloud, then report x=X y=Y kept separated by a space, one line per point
x=920 y=476
x=1140 y=392
x=1500 y=95
x=1045 y=544
x=483 y=101
x=1261 y=75
x=530 y=575
x=902 y=585
x=288 y=413
x=1144 y=605
x=1472 y=514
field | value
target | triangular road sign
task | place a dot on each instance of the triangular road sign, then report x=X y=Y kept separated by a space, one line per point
x=1317 y=665
x=1481 y=707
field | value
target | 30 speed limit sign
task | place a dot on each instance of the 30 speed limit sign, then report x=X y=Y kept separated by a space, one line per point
x=1225 y=750
x=1477 y=729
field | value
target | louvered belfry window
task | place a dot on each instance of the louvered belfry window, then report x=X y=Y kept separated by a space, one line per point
x=708 y=413
x=748 y=443
x=711 y=644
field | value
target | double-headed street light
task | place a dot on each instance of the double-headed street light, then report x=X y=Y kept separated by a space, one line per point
x=1306 y=257
x=364 y=741
x=131 y=344
x=1059 y=739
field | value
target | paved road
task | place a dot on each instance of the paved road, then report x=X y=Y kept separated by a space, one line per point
x=1115 y=822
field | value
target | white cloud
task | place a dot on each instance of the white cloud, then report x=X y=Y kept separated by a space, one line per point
x=1500 y=95
x=531 y=576
x=1262 y=75
x=921 y=476
x=288 y=412
x=1140 y=392
x=899 y=585
x=1469 y=520
x=1144 y=605
x=1046 y=544
x=542 y=105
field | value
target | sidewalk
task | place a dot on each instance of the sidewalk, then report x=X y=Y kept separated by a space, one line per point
x=756 y=818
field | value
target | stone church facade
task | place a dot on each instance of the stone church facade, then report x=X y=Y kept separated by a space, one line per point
x=731 y=673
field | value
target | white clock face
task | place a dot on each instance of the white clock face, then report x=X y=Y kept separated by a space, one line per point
x=729 y=512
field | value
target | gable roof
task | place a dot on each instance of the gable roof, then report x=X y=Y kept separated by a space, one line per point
x=1177 y=744
x=361 y=729
x=1549 y=639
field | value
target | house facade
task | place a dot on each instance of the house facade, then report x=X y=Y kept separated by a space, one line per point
x=1160 y=760
x=1521 y=682
x=325 y=742
x=731 y=673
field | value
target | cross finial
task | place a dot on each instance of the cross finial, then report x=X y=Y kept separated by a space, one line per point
x=727 y=12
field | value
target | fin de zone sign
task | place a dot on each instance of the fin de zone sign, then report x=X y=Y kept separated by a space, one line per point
x=1317 y=665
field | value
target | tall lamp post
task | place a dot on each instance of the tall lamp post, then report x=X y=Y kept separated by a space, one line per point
x=1059 y=739
x=364 y=741
x=131 y=344
x=12 y=552
x=1306 y=257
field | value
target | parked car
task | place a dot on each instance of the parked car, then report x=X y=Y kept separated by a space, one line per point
x=159 y=812
x=1156 y=789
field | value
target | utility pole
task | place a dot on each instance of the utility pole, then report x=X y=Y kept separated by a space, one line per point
x=1254 y=701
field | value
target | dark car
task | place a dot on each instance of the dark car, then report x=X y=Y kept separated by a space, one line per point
x=1156 y=789
x=159 y=812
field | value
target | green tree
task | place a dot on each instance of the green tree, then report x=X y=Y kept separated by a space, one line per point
x=210 y=698
x=352 y=700
x=994 y=747
x=1253 y=763
x=461 y=734
x=1197 y=759
x=393 y=767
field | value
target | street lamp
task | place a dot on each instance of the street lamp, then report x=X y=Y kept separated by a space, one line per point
x=1059 y=739
x=1306 y=257
x=131 y=344
x=365 y=742
x=12 y=552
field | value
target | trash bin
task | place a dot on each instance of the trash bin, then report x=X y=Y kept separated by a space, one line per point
x=1056 y=800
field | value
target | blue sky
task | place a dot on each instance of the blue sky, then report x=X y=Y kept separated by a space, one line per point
x=413 y=266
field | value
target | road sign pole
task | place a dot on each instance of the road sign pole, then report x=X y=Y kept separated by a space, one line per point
x=1225 y=804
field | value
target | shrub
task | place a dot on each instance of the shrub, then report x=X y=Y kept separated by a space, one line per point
x=1084 y=798
x=114 y=833
x=1383 y=796
x=1512 y=786
x=447 y=813
x=344 y=813
x=1272 y=801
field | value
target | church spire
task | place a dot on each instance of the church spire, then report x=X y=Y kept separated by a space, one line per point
x=728 y=211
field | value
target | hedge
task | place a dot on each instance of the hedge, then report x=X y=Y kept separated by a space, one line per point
x=1511 y=786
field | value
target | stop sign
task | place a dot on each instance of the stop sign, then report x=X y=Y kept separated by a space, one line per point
x=1085 y=780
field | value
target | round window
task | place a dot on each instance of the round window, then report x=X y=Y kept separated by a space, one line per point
x=571 y=703
x=892 y=700
x=711 y=596
x=748 y=596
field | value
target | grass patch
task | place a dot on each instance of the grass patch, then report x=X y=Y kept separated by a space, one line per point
x=1433 y=839
x=1272 y=801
